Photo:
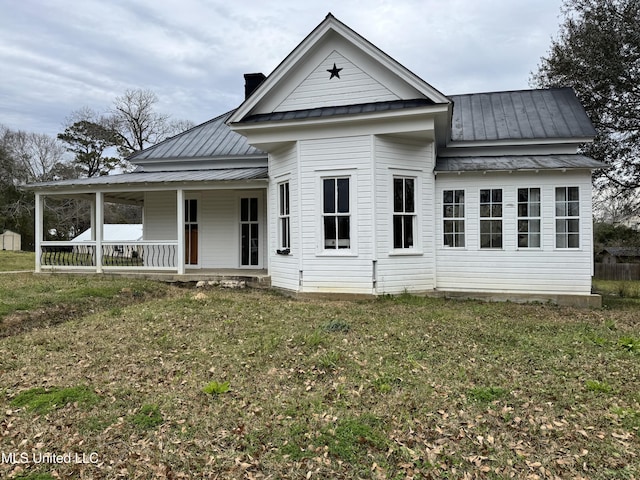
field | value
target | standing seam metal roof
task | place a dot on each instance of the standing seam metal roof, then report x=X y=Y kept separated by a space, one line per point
x=525 y=114
x=515 y=163
x=516 y=115
x=338 y=110
x=208 y=140
x=212 y=175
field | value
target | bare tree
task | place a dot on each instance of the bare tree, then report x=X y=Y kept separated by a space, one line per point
x=137 y=123
x=24 y=157
x=33 y=155
x=609 y=206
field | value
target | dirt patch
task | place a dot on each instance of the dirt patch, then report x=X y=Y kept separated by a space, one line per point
x=43 y=317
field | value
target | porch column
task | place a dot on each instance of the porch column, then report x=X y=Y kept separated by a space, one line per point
x=180 y=227
x=92 y=218
x=99 y=221
x=39 y=223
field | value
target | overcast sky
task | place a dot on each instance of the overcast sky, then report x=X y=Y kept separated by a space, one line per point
x=59 y=55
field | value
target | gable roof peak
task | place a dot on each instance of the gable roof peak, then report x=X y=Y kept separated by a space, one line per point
x=318 y=36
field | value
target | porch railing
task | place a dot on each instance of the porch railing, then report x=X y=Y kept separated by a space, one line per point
x=143 y=255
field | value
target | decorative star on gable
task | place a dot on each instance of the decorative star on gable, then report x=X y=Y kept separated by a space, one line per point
x=335 y=72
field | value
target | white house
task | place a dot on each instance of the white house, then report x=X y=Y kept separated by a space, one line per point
x=344 y=172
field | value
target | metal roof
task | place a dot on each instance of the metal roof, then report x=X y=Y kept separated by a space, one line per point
x=515 y=162
x=338 y=110
x=525 y=114
x=114 y=231
x=623 y=251
x=212 y=139
x=226 y=174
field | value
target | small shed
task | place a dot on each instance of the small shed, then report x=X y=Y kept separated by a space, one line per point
x=11 y=241
x=612 y=255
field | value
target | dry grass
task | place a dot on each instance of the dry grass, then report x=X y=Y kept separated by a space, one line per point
x=394 y=388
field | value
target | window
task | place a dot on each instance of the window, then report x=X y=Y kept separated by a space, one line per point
x=528 y=218
x=567 y=217
x=491 y=218
x=404 y=211
x=336 y=218
x=284 y=221
x=453 y=216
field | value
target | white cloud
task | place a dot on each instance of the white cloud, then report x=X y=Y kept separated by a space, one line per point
x=59 y=55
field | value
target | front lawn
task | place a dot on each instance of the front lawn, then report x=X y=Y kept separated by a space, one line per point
x=251 y=384
x=16 y=261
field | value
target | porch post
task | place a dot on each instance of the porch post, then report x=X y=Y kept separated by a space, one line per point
x=39 y=224
x=180 y=227
x=99 y=220
x=93 y=219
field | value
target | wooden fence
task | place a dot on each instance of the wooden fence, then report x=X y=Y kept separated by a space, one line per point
x=617 y=271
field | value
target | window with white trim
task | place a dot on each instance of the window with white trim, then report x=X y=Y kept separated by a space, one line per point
x=404 y=211
x=567 y=217
x=336 y=215
x=491 y=218
x=284 y=220
x=453 y=215
x=528 y=218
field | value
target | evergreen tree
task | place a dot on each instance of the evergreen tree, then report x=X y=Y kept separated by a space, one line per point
x=597 y=52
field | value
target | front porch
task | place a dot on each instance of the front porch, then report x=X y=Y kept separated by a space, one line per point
x=195 y=226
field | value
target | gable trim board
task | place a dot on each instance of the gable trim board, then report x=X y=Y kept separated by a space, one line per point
x=367 y=156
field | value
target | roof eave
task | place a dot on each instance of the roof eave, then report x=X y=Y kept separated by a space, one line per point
x=121 y=187
x=386 y=115
x=511 y=142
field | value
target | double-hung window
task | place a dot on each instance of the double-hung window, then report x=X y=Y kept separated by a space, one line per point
x=491 y=218
x=284 y=221
x=567 y=217
x=528 y=218
x=336 y=215
x=453 y=218
x=404 y=211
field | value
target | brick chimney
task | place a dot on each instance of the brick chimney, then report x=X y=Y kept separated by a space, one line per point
x=251 y=82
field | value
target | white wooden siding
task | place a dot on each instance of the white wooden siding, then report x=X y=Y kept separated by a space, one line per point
x=510 y=269
x=410 y=270
x=331 y=271
x=318 y=90
x=219 y=229
x=284 y=269
x=159 y=217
